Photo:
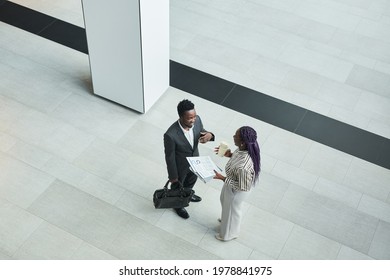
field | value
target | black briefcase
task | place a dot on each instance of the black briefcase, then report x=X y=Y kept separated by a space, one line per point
x=168 y=198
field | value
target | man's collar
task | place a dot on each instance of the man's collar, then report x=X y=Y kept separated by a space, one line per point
x=182 y=128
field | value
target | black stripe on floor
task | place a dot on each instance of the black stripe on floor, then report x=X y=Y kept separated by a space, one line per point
x=43 y=25
x=333 y=133
x=341 y=136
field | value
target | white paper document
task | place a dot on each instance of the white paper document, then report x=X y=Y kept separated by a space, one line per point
x=203 y=167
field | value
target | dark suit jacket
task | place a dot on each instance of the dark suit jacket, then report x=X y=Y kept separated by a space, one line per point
x=177 y=148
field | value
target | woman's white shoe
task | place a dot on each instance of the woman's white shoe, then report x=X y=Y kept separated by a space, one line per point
x=219 y=237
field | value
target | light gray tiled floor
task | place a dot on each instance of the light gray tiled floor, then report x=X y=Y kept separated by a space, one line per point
x=77 y=172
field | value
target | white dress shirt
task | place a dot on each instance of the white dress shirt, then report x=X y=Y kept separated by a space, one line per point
x=189 y=134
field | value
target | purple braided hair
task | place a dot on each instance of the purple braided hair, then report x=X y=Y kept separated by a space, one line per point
x=249 y=136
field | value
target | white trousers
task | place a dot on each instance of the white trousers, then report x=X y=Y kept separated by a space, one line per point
x=231 y=202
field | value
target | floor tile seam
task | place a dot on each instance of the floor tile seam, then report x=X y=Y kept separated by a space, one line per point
x=185 y=240
x=57 y=227
x=373 y=216
x=77 y=186
x=61 y=123
x=105 y=244
x=75 y=235
x=5 y=253
x=53 y=109
x=228 y=94
x=39 y=33
x=71 y=257
x=291 y=221
x=353 y=151
x=52 y=156
x=313 y=189
x=243 y=243
x=278 y=104
x=330 y=238
x=250 y=249
x=31 y=233
x=338 y=182
x=339 y=251
x=13 y=138
x=21 y=161
x=285 y=242
x=312 y=230
x=341 y=123
x=340 y=202
x=372 y=238
x=300 y=121
x=383 y=146
x=20 y=7
x=353 y=209
x=251 y=253
x=40 y=64
x=347 y=186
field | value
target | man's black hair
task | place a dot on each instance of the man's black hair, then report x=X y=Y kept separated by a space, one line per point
x=184 y=106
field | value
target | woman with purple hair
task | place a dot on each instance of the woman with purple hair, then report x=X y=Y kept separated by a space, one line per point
x=242 y=172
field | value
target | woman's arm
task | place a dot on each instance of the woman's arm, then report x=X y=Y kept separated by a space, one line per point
x=219 y=176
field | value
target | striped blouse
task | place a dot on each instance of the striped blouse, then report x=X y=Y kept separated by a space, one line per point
x=239 y=171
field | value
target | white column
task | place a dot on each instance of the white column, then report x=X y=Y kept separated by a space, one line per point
x=128 y=45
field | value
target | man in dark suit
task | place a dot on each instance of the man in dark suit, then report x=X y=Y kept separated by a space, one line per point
x=181 y=141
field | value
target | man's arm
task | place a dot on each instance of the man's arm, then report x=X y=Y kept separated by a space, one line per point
x=205 y=136
x=170 y=159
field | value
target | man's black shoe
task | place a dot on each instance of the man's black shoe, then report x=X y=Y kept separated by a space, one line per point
x=182 y=212
x=195 y=198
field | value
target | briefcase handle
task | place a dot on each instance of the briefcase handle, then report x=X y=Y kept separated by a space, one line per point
x=167 y=183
